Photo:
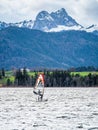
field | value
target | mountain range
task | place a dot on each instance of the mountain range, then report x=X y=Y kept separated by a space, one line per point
x=51 y=22
x=53 y=40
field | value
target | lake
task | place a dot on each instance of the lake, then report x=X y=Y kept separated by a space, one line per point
x=66 y=109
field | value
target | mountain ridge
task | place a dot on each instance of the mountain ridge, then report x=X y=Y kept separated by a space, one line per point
x=51 y=22
x=22 y=47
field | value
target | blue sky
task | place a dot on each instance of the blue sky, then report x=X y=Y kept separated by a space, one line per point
x=84 y=12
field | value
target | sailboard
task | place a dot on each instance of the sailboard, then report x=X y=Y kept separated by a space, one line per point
x=39 y=87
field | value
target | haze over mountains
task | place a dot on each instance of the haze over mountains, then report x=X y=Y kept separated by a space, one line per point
x=53 y=40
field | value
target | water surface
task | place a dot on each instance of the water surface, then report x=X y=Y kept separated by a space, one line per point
x=66 y=109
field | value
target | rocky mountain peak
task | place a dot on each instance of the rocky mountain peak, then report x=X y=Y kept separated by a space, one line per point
x=44 y=21
x=61 y=11
x=42 y=15
x=56 y=21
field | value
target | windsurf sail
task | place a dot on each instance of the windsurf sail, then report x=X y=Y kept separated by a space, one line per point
x=39 y=86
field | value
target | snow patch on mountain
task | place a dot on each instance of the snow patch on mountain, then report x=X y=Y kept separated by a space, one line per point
x=62 y=28
x=3 y=25
x=24 y=24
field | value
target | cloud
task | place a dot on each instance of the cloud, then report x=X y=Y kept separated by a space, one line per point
x=84 y=11
x=15 y=10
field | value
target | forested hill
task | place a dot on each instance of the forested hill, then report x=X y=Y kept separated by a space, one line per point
x=21 y=47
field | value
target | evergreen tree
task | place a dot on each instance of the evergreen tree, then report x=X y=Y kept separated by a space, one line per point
x=3 y=72
x=8 y=82
x=0 y=75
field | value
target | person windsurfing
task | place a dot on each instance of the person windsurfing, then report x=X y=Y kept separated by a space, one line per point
x=39 y=87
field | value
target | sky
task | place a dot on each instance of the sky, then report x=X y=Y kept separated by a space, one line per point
x=85 y=12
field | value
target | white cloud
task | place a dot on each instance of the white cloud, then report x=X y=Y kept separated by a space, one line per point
x=84 y=11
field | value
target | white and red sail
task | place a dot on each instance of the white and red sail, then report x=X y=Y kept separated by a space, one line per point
x=39 y=84
x=40 y=79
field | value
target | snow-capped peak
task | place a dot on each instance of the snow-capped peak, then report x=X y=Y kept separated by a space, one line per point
x=54 y=21
x=47 y=22
x=44 y=21
x=44 y=15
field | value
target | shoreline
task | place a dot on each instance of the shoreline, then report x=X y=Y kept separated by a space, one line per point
x=50 y=87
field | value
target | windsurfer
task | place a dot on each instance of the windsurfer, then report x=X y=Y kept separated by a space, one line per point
x=39 y=87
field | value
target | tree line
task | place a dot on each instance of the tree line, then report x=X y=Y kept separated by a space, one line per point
x=66 y=79
x=84 y=68
x=53 y=78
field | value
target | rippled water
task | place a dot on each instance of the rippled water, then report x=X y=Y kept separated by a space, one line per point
x=66 y=109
